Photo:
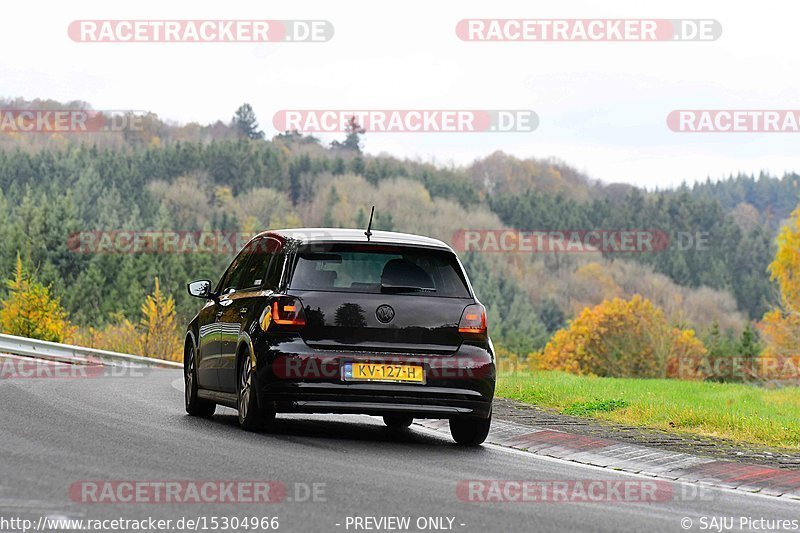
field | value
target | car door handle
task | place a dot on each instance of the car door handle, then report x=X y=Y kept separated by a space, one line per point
x=243 y=312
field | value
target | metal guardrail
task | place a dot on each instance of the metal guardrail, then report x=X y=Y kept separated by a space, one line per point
x=67 y=353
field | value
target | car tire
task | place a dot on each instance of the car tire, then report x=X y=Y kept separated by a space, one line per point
x=251 y=416
x=194 y=405
x=397 y=422
x=470 y=431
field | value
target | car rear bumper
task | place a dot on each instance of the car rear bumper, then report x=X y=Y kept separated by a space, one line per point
x=294 y=378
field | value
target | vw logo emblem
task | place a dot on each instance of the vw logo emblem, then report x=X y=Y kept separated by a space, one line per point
x=385 y=313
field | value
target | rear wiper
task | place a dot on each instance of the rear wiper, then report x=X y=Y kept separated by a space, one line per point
x=405 y=288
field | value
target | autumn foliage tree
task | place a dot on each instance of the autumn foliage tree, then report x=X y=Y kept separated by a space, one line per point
x=156 y=335
x=119 y=335
x=159 y=327
x=780 y=327
x=31 y=310
x=623 y=338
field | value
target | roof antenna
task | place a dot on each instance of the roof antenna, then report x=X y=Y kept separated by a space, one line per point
x=368 y=233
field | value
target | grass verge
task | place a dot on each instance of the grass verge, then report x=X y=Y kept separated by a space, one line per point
x=735 y=411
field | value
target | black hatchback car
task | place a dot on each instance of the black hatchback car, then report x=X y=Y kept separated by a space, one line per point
x=336 y=321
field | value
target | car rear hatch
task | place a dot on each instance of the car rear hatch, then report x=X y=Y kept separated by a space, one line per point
x=380 y=298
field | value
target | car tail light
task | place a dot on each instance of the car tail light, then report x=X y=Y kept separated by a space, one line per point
x=285 y=312
x=473 y=321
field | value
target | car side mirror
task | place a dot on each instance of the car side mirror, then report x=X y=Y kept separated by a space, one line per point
x=200 y=289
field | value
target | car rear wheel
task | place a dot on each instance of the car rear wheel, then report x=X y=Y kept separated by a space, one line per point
x=251 y=416
x=397 y=422
x=470 y=431
x=194 y=405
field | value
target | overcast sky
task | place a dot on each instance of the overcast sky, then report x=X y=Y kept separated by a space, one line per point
x=602 y=106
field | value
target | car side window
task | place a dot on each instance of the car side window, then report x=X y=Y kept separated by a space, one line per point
x=254 y=271
x=257 y=265
x=275 y=269
x=241 y=270
x=227 y=279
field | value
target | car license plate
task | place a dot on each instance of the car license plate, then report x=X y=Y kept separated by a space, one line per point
x=383 y=372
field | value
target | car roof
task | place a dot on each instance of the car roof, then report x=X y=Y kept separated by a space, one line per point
x=319 y=235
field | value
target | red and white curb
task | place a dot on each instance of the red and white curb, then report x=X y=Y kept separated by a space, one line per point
x=638 y=459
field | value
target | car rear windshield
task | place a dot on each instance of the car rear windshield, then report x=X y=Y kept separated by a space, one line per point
x=379 y=269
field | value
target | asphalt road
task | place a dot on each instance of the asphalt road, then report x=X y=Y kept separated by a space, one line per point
x=56 y=432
